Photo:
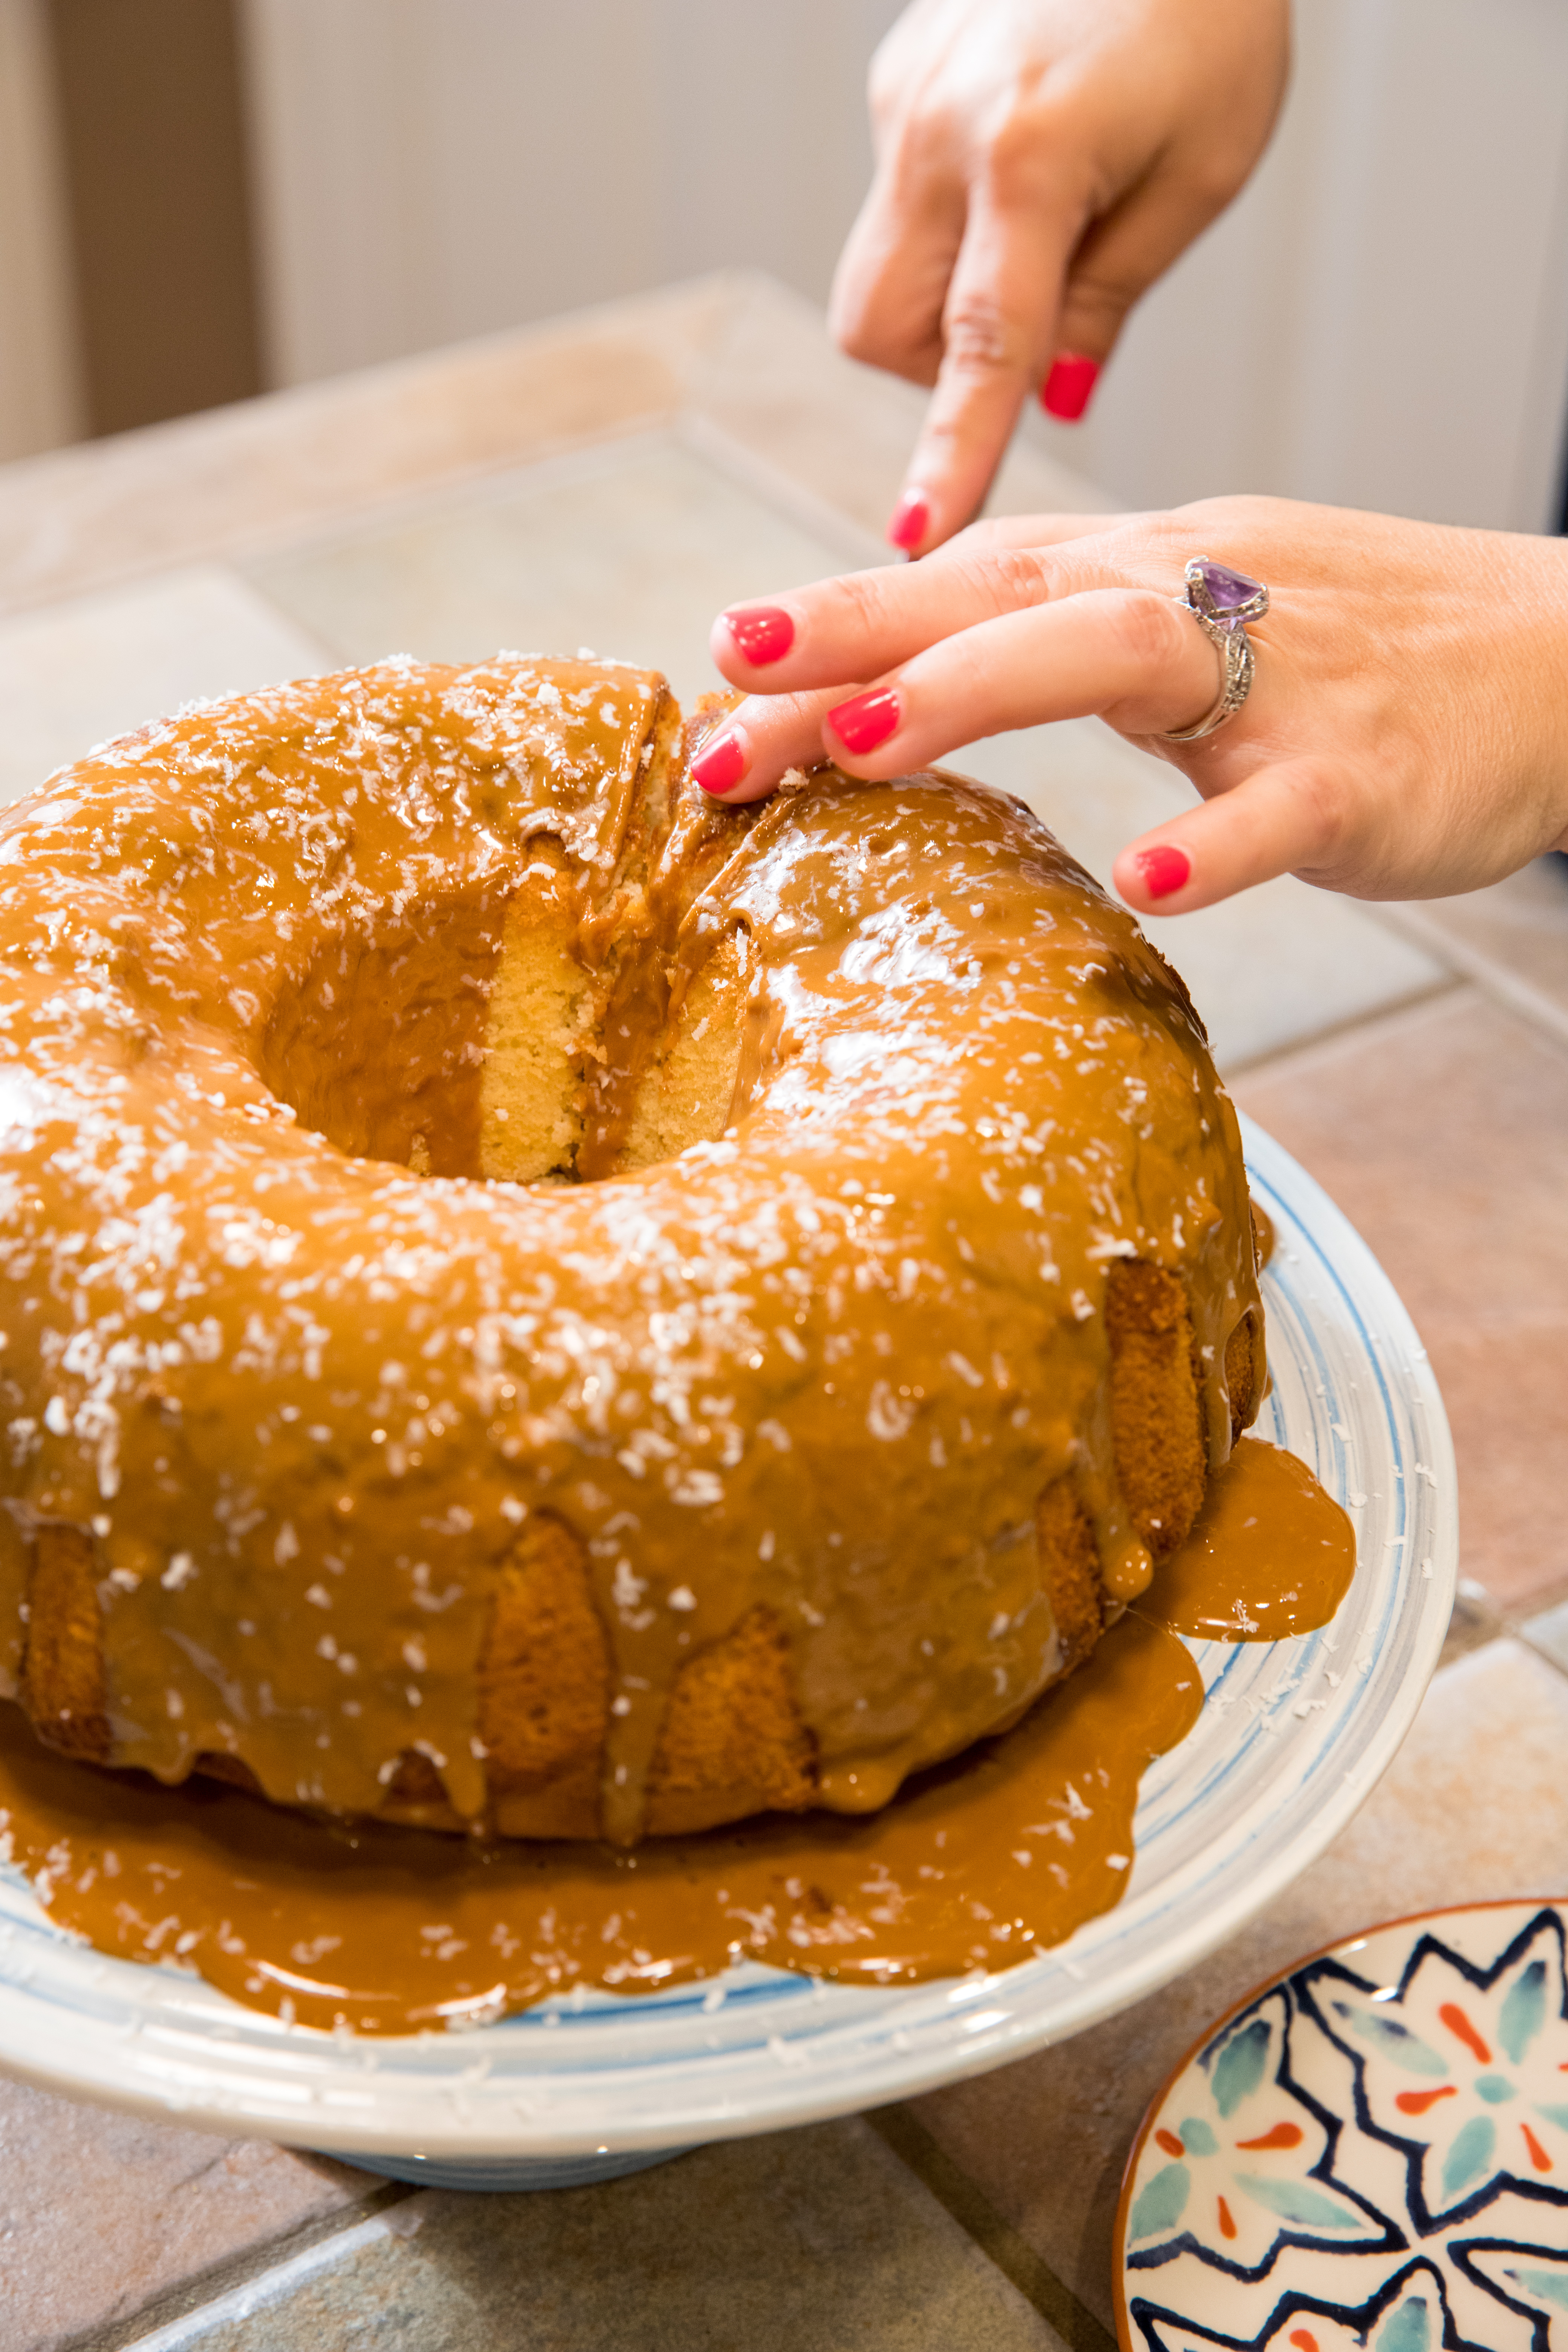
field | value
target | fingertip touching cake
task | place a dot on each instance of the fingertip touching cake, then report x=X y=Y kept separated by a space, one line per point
x=536 y=1302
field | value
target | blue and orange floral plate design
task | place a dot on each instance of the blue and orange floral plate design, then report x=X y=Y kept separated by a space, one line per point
x=1371 y=2152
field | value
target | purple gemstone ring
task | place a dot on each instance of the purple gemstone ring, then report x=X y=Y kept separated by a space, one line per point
x=1222 y=602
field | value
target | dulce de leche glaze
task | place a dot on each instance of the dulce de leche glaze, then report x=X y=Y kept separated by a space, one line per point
x=294 y=1402
x=1270 y=1554
x=981 y=1861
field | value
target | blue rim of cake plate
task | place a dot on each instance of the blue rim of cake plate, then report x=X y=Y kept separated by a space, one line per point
x=1294 y=1736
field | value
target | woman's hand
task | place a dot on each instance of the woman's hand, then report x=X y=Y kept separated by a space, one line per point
x=1405 y=736
x=1039 y=162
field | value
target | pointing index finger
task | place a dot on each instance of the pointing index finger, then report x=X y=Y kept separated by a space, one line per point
x=998 y=328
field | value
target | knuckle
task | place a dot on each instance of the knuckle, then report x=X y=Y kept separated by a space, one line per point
x=996 y=580
x=1148 y=631
x=858 y=336
x=920 y=155
x=1211 y=174
x=1027 y=157
x=849 y=317
x=980 y=339
x=865 y=606
x=1020 y=576
x=873 y=322
x=1321 y=789
x=1254 y=513
x=984 y=540
x=1252 y=524
x=892 y=78
x=986 y=577
x=884 y=92
x=1095 y=307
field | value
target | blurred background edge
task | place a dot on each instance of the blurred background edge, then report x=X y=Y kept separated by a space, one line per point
x=204 y=198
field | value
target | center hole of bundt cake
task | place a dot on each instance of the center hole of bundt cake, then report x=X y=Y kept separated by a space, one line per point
x=379 y=1042
x=467 y=1037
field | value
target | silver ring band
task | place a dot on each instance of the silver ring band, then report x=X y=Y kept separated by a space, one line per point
x=1236 y=679
x=1222 y=602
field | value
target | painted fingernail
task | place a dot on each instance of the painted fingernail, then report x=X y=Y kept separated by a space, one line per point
x=1066 y=390
x=911 y=519
x=720 y=765
x=1164 y=868
x=866 y=720
x=764 y=633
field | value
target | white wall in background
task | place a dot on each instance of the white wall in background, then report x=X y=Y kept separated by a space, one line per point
x=40 y=405
x=1382 y=320
x=431 y=169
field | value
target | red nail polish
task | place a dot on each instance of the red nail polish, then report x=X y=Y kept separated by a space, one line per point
x=720 y=765
x=1164 y=868
x=1066 y=390
x=910 y=519
x=866 y=720
x=764 y=633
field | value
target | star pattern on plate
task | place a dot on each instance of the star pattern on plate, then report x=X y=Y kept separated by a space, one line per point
x=1462 y=2068
x=1373 y=2152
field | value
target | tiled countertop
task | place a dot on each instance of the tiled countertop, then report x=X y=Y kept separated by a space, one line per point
x=611 y=480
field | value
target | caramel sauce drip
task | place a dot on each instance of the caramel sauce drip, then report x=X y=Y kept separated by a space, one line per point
x=1270 y=1555
x=1262 y=1235
x=980 y=1863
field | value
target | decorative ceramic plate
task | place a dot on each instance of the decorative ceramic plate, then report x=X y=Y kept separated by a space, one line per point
x=1370 y=2152
x=1292 y=1739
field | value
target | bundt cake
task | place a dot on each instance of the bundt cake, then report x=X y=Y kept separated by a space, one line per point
x=536 y=1302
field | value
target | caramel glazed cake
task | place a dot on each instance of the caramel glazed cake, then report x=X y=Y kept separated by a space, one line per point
x=538 y=1304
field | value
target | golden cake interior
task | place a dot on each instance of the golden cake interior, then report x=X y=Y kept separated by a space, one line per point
x=522 y=1056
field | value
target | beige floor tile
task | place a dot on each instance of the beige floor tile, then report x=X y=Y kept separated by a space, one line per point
x=1443 y=1134
x=102 y=2214
x=1266 y=970
x=75 y=674
x=631 y=550
x=1513 y=937
x=813 y=2241
x=1548 y=1632
x=1472 y=1808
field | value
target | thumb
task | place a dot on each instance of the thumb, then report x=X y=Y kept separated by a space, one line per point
x=1280 y=819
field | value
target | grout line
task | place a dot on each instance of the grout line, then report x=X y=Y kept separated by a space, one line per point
x=1379 y=1025
x=245 y=2302
x=1513 y=1621
x=1335 y=1033
x=1480 y=1617
x=785 y=493
x=1547 y=1657
x=974 y=2213
x=232 y=2290
x=1521 y=996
